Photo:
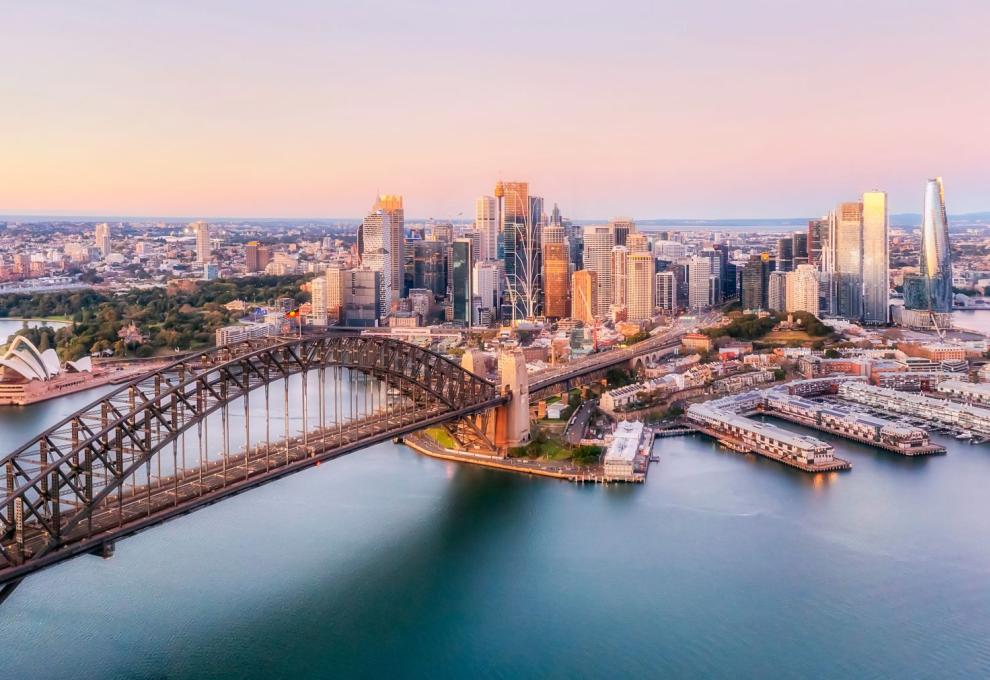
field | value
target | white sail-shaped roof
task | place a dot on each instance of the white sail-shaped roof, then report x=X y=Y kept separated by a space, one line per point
x=24 y=358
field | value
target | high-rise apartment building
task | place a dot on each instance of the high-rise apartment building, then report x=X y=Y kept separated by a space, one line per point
x=391 y=206
x=256 y=256
x=102 y=238
x=666 y=291
x=584 y=296
x=203 y=245
x=486 y=223
x=876 y=258
x=598 y=244
x=777 y=291
x=640 y=286
x=802 y=289
x=377 y=240
x=556 y=275
x=361 y=294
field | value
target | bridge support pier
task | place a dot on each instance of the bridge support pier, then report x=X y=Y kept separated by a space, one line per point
x=511 y=421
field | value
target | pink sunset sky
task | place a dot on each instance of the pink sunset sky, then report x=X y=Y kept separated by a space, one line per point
x=649 y=109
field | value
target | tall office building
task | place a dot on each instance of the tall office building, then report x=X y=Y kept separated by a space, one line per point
x=637 y=242
x=666 y=291
x=486 y=223
x=848 y=250
x=876 y=258
x=622 y=227
x=520 y=249
x=699 y=282
x=584 y=296
x=620 y=265
x=817 y=236
x=377 y=240
x=429 y=265
x=800 y=248
x=556 y=274
x=756 y=282
x=936 y=260
x=598 y=244
x=640 y=286
x=361 y=296
x=459 y=278
x=102 y=238
x=785 y=254
x=777 y=291
x=203 y=246
x=391 y=206
x=802 y=289
x=485 y=283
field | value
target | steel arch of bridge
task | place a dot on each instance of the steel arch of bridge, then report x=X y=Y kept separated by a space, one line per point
x=66 y=492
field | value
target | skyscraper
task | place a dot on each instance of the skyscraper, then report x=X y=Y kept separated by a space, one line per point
x=102 y=238
x=640 y=286
x=622 y=227
x=848 y=250
x=598 y=244
x=802 y=289
x=430 y=266
x=486 y=222
x=756 y=282
x=777 y=291
x=391 y=206
x=785 y=254
x=800 y=248
x=377 y=240
x=203 y=246
x=521 y=250
x=620 y=264
x=485 y=283
x=584 y=296
x=876 y=258
x=666 y=293
x=936 y=262
x=556 y=273
x=459 y=277
x=699 y=282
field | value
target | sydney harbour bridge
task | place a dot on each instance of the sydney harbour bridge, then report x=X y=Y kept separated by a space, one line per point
x=208 y=426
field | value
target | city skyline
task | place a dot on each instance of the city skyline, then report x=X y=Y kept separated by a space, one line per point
x=725 y=111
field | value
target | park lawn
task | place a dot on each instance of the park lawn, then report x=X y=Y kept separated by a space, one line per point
x=788 y=336
x=441 y=437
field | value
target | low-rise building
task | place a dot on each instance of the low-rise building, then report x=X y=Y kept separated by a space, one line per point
x=620 y=458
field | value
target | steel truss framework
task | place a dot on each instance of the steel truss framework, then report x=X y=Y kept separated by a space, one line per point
x=120 y=464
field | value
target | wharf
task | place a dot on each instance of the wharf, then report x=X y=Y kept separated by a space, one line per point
x=836 y=465
x=930 y=450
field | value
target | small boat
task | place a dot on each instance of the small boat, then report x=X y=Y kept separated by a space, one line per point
x=964 y=435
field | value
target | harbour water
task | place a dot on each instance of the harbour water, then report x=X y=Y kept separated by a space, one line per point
x=10 y=326
x=388 y=564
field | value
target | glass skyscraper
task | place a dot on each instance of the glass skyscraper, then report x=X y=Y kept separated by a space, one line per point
x=936 y=263
x=876 y=258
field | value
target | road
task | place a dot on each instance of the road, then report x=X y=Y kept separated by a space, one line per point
x=668 y=338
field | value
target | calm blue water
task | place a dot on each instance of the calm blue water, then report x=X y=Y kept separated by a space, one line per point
x=385 y=563
x=10 y=326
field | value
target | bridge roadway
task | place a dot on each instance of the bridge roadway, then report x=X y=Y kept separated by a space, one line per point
x=604 y=360
x=146 y=505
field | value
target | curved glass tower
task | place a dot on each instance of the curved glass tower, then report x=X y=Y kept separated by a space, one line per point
x=936 y=265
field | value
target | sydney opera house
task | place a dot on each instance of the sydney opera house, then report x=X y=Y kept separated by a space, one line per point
x=29 y=374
